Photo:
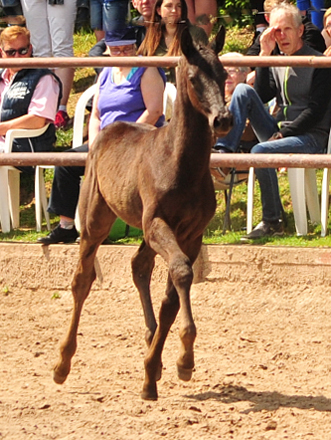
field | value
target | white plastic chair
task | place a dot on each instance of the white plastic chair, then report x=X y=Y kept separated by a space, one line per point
x=169 y=97
x=79 y=118
x=77 y=140
x=10 y=181
x=303 y=188
x=325 y=195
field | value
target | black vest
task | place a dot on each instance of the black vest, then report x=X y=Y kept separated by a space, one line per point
x=15 y=103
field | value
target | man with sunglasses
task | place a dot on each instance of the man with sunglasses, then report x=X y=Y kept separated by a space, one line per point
x=29 y=98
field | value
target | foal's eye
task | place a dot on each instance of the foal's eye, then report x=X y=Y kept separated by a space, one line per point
x=193 y=80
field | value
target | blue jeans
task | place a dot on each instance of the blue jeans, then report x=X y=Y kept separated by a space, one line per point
x=246 y=104
x=314 y=7
x=96 y=14
x=108 y=15
x=114 y=14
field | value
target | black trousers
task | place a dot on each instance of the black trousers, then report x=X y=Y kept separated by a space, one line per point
x=66 y=186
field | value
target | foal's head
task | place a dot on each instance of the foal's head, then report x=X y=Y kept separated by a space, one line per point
x=205 y=77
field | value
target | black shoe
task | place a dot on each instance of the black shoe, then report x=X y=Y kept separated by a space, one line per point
x=105 y=241
x=265 y=229
x=59 y=235
x=219 y=149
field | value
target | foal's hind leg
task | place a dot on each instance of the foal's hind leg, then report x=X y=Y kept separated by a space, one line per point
x=95 y=228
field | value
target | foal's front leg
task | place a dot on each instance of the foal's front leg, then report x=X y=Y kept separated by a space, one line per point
x=153 y=359
x=163 y=241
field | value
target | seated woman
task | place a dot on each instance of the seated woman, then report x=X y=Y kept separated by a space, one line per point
x=236 y=75
x=162 y=38
x=123 y=94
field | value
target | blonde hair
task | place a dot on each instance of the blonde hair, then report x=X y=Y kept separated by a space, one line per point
x=326 y=15
x=288 y=9
x=268 y=5
x=12 y=32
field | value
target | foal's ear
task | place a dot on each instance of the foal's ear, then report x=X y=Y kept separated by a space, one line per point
x=186 y=44
x=218 y=42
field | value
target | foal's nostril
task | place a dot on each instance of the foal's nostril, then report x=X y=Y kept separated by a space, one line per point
x=223 y=123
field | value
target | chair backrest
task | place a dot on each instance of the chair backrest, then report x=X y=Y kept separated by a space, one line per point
x=22 y=133
x=169 y=96
x=78 y=126
x=328 y=150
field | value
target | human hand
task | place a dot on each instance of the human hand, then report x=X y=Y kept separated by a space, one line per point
x=250 y=78
x=267 y=41
x=328 y=52
x=275 y=136
x=3 y=129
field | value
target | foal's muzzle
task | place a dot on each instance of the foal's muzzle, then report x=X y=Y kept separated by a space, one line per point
x=222 y=123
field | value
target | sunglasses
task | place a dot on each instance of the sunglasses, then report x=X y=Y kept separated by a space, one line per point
x=117 y=51
x=20 y=51
x=232 y=71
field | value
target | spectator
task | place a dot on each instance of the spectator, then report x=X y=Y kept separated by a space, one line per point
x=51 y=23
x=259 y=19
x=311 y=36
x=236 y=75
x=13 y=12
x=96 y=18
x=12 y=8
x=201 y=13
x=163 y=35
x=124 y=94
x=145 y=9
x=107 y=15
x=316 y=9
x=15 y=20
x=327 y=31
x=302 y=123
x=29 y=97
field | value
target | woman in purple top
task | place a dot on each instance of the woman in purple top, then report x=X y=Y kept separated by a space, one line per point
x=123 y=94
x=132 y=94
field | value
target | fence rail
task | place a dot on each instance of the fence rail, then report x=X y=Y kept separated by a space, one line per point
x=216 y=160
x=230 y=160
x=251 y=61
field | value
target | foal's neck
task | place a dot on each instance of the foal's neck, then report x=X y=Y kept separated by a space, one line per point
x=190 y=137
x=191 y=123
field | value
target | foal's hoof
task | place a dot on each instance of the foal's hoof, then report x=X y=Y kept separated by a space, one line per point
x=158 y=373
x=149 y=393
x=184 y=374
x=58 y=379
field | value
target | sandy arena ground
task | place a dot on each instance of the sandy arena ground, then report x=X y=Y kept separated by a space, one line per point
x=262 y=354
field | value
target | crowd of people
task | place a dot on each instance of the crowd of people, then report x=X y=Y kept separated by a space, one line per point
x=302 y=96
